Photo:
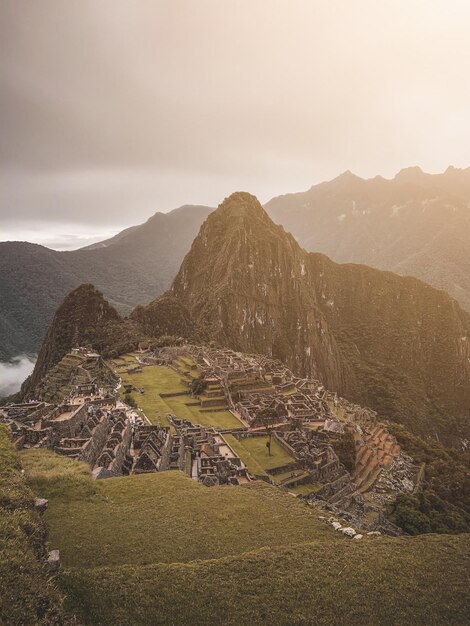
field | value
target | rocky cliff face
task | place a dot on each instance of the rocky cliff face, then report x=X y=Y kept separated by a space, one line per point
x=246 y=283
x=407 y=343
x=387 y=341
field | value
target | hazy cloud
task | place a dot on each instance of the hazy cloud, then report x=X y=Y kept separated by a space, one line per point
x=114 y=109
x=14 y=373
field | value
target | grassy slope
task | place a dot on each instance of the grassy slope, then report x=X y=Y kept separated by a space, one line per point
x=162 y=549
x=386 y=581
x=156 y=379
x=162 y=517
x=27 y=594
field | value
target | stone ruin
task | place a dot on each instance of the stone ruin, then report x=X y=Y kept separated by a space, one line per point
x=318 y=458
x=206 y=456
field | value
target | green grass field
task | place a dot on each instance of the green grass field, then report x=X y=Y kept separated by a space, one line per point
x=163 y=517
x=162 y=549
x=392 y=582
x=253 y=452
x=157 y=379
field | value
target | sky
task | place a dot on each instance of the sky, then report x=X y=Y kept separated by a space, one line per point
x=111 y=110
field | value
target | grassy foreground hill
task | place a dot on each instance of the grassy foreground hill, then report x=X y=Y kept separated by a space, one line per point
x=28 y=595
x=162 y=549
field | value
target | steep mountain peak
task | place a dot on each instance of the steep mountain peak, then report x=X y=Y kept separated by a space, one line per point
x=241 y=204
x=346 y=180
x=84 y=317
x=244 y=282
x=86 y=295
x=347 y=175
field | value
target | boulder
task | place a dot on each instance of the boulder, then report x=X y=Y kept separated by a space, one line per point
x=374 y=533
x=53 y=561
x=350 y=532
x=358 y=537
x=336 y=525
x=101 y=472
x=41 y=504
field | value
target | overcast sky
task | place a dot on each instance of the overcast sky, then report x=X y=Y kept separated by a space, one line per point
x=111 y=110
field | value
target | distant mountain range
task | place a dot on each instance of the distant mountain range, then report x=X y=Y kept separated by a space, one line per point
x=385 y=341
x=131 y=268
x=416 y=224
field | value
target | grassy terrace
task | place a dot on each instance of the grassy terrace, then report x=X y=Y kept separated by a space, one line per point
x=254 y=454
x=157 y=379
x=162 y=549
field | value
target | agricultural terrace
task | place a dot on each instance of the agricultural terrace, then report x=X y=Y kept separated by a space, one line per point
x=159 y=380
x=254 y=453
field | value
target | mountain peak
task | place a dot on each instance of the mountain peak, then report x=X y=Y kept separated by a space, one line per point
x=410 y=174
x=84 y=317
x=348 y=177
x=241 y=203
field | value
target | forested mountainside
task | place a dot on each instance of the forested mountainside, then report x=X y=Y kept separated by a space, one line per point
x=130 y=269
x=385 y=341
x=85 y=318
x=416 y=224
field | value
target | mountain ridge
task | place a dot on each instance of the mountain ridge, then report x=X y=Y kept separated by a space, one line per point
x=414 y=224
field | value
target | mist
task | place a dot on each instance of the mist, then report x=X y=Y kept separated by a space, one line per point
x=12 y=374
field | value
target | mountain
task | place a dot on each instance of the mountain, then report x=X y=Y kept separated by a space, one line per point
x=382 y=340
x=83 y=318
x=245 y=282
x=416 y=224
x=131 y=268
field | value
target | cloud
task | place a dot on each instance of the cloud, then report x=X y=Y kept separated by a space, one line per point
x=114 y=109
x=12 y=374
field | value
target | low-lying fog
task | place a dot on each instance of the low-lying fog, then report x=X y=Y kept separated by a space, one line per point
x=13 y=373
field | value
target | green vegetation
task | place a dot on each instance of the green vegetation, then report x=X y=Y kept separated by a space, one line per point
x=345 y=448
x=55 y=476
x=27 y=594
x=162 y=549
x=442 y=503
x=163 y=517
x=159 y=379
x=306 y=489
x=422 y=581
x=254 y=453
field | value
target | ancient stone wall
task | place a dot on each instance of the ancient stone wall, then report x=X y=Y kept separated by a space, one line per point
x=99 y=435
